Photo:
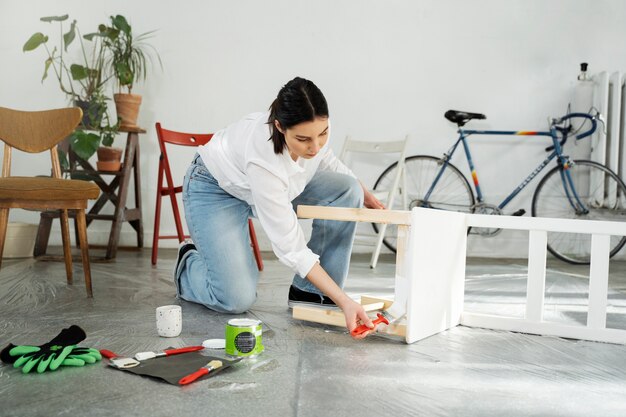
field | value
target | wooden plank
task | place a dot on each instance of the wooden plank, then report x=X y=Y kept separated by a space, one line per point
x=336 y=317
x=373 y=306
x=319 y=315
x=366 y=299
x=355 y=214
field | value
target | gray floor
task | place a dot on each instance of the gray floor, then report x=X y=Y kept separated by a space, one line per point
x=308 y=369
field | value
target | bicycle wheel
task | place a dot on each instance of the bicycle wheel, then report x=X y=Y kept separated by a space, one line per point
x=599 y=189
x=452 y=191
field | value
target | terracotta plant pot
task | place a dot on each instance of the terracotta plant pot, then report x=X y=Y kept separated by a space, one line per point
x=127 y=106
x=109 y=159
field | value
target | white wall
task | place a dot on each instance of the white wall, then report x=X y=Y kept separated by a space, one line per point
x=387 y=68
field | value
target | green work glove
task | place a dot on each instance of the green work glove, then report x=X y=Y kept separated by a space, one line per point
x=45 y=357
x=80 y=356
x=48 y=356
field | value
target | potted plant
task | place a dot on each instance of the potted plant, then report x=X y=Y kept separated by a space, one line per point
x=128 y=63
x=82 y=82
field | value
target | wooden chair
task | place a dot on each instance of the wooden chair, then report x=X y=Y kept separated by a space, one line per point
x=387 y=195
x=169 y=189
x=35 y=132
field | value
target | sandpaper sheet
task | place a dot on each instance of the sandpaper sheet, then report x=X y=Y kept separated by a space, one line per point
x=172 y=368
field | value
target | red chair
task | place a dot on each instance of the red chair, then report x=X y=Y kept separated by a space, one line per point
x=169 y=189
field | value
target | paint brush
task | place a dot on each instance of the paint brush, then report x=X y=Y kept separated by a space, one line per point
x=142 y=356
x=389 y=316
x=214 y=364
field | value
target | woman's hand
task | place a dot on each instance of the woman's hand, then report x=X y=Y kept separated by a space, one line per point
x=356 y=315
x=370 y=201
x=354 y=312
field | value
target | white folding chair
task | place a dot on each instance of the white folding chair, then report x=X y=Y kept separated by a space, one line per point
x=386 y=196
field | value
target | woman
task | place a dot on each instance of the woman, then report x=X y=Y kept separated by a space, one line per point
x=265 y=165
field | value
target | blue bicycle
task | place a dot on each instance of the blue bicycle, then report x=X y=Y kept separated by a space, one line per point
x=576 y=189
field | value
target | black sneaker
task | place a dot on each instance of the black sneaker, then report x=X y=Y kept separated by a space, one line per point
x=184 y=247
x=297 y=297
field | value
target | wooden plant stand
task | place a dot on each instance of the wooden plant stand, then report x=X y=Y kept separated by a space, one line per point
x=114 y=191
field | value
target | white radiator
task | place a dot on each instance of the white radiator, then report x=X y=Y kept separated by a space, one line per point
x=605 y=92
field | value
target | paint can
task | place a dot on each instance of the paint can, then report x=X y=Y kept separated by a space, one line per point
x=243 y=338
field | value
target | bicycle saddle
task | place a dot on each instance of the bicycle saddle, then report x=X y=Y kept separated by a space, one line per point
x=462 y=117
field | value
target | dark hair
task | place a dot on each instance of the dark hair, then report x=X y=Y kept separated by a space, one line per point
x=298 y=101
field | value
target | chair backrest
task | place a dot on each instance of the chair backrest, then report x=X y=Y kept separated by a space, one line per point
x=181 y=138
x=176 y=138
x=36 y=131
x=387 y=147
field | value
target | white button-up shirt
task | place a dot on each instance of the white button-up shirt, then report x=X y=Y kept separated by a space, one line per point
x=241 y=158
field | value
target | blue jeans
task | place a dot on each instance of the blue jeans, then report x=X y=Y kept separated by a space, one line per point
x=221 y=273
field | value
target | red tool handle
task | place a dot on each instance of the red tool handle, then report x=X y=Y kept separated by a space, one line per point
x=192 y=377
x=363 y=328
x=183 y=350
x=107 y=354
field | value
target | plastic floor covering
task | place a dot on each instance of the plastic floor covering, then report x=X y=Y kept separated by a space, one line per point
x=310 y=369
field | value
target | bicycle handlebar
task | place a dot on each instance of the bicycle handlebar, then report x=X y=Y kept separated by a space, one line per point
x=566 y=130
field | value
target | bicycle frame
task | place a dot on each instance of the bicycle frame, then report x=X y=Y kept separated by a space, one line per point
x=556 y=153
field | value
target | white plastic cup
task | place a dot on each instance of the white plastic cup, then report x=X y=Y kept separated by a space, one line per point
x=169 y=320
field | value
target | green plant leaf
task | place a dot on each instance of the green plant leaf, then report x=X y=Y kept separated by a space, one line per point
x=65 y=164
x=108 y=32
x=80 y=72
x=107 y=139
x=47 y=67
x=34 y=41
x=84 y=144
x=92 y=35
x=54 y=18
x=124 y=73
x=120 y=22
x=70 y=35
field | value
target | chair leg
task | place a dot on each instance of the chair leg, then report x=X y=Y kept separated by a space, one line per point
x=157 y=225
x=67 y=247
x=382 y=228
x=179 y=225
x=4 y=219
x=84 y=249
x=43 y=234
x=255 y=246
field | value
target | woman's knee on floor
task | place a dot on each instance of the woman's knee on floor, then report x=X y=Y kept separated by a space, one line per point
x=237 y=299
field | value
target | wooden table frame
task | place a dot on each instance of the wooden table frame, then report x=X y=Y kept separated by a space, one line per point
x=433 y=264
